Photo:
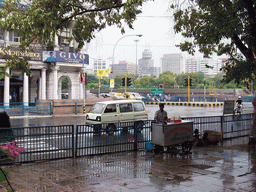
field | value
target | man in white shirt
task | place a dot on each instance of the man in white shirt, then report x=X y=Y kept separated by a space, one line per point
x=161 y=114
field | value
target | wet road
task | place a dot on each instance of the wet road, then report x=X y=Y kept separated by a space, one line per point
x=176 y=111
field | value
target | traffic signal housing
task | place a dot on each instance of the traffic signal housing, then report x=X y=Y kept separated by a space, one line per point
x=123 y=81
x=185 y=84
x=190 y=82
x=129 y=81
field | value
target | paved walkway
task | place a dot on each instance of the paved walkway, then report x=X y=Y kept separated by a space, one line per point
x=227 y=167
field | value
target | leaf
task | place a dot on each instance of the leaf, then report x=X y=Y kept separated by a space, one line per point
x=2 y=177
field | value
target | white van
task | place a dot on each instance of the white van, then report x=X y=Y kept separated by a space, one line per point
x=109 y=115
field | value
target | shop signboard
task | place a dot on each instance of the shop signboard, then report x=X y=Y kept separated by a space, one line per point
x=67 y=57
x=228 y=107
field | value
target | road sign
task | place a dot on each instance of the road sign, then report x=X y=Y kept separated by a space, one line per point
x=228 y=107
x=156 y=91
x=111 y=83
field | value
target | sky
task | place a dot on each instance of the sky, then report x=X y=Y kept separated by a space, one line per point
x=156 y=26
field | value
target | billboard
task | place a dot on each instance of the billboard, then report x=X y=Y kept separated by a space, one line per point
x=66 y=57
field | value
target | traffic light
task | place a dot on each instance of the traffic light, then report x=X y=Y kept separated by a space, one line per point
x=191 y=82
x=129 y=81
x=123 y=81
x=185 y=84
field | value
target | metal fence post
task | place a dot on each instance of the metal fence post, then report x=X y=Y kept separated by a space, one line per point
x=23 y=110
x=135 y=144
x=222 y=124
x=51 y=108
x=74 y=142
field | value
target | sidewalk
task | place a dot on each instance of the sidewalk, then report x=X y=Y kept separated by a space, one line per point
x=226 y=167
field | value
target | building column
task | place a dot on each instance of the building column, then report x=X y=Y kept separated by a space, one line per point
x=7 y=89
x=55 y=82
x=43 y=84
x=25 y=90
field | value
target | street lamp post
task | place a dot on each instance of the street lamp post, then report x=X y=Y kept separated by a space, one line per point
x=136 y=58
x=113 y=58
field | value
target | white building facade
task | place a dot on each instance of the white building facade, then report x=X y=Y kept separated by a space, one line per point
x=48 y=68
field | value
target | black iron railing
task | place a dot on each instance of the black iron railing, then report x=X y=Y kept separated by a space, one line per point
x=65 y=141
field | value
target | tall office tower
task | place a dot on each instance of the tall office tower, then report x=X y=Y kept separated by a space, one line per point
x=191 y=65
x=172 y=63
x=101 y=64
x=145 y=63
x=121 y=68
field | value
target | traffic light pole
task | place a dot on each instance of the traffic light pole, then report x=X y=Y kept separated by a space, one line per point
x=188 y=89
x=125 y=80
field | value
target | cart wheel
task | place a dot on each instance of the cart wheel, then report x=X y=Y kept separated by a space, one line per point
x=186 y=147
x=111 y=128
x=158 y=149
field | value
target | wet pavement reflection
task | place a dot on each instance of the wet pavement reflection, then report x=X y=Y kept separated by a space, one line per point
x=225 y=167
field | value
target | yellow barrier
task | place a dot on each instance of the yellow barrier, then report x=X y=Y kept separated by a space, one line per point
x=188 y=104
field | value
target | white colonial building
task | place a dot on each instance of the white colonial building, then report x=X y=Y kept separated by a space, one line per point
x=48 y=66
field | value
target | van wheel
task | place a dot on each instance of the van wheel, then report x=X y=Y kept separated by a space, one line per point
x=158 y=149
x=111 y=128
x=96 y=128
x=138 y=126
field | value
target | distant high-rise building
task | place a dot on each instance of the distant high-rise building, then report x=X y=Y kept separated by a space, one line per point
x=146 y=64
x=191 y=65
x=122 y=67
x=211 y=66
x=172 y=63
x=100 y=64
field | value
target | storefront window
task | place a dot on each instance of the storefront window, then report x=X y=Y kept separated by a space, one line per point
x=13 y=36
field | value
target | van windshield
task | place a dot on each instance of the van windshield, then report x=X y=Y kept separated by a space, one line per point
x=97 y=108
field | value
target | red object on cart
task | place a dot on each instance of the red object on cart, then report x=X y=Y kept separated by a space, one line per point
x=175 y=121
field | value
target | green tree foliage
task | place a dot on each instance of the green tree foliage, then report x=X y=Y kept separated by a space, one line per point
x=64 y=83
x=144 y=81
x=167 y=78
x=43 y=19
x=92 y=79
x=222 y=27
x=197 y=78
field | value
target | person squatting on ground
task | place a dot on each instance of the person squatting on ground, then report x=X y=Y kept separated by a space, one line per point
x=161 y=114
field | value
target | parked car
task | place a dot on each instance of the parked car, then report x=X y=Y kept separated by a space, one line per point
x=134 y=95
x=110 y=115
x=115 y=95
x=104 y=95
